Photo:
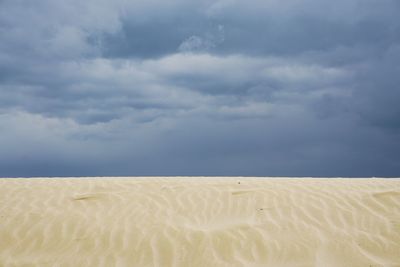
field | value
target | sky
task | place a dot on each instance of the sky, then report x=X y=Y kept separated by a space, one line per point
x=178 y=87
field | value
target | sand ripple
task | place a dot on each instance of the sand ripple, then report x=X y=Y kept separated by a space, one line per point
x=200 y=222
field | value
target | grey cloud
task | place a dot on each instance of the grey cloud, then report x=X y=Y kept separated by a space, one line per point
x=260 y=27
x=199 y=88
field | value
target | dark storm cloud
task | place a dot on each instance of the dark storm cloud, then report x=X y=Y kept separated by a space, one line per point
x=263 y=27
x=200 y=88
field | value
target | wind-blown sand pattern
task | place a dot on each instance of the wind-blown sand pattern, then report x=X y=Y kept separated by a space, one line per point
x=199 y=222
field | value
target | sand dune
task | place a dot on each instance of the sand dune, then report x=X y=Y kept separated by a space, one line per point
x=199 y=222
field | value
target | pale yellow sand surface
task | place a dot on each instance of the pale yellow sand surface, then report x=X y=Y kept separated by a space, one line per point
x=199 y=222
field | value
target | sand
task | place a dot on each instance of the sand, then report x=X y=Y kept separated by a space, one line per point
x=199 y=222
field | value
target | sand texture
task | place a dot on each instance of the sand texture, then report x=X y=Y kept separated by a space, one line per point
x=199 y=222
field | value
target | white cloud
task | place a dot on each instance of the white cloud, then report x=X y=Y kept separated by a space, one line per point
x=210 y=40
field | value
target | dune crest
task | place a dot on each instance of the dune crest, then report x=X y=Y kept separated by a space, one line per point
x=199 y=222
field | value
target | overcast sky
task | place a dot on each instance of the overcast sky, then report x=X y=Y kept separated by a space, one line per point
x=178 y=87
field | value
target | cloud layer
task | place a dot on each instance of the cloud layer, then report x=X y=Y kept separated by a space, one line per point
x=266 y=88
